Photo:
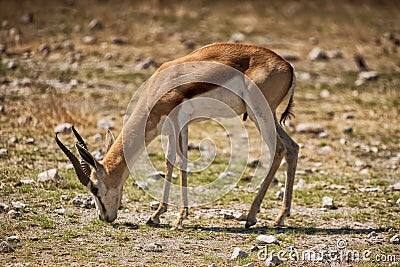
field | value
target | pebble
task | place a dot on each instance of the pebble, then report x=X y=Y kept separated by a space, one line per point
x=398 y=201
x=224 y=174
x=250 y=264
x=273 y=261
x=146 y=64
x=105 y=124
x=213 y=265
x=84 y=201
x=395 y=187
x=97 y=137
x=44 y=49
x=336 y=53
x=117 y=40
x=27 y=18
x=348 y=130
x=153 y=247
x=328 y=203
x=27 y=181
x=237 y=37
x=49 y=176
x=238 y=253
x=13 y=239
x=12 y=65
x=325 y=150
x=89 y=40
x=267 y=239
x=61 y=211
x=279 y=195
x=65 y=197
x=370 y=189
x=18 y=205
x=3 y=151
x=4 y=208
x=317 y=54
x=5 y=247
x=65 y=128
x=154 y=205
x=255 y=163
x=14 y=214
x=365 y=76
x=95 y=24
x=395 y=239
x=309 y=128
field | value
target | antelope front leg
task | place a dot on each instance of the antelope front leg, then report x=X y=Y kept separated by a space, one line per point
x=171 y=156
x=183 y=145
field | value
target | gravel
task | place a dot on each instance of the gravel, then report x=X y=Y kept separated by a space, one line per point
x=238 y=253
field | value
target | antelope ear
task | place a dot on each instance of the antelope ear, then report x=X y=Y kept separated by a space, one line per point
x=87 y=157
x=110 y=139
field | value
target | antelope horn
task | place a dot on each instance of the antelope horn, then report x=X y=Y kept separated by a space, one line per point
x=84 y=165
x=80 y=172
x=79 y=138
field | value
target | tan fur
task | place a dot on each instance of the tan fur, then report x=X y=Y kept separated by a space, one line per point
x=272 y=74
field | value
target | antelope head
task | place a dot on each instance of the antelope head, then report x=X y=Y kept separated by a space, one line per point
x=93 y=175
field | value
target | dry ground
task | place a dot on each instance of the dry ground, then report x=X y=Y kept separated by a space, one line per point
x=82 y=83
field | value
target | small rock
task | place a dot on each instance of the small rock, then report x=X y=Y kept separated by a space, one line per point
x=328 y=203
x=237 y=38
x=61 y=211
x=395 y=187
x=111 y=55
x=157 y=175
x=84 y=201
x=44 y=49
x=243 y=136
x=13 y=140
x=213 y=265
x=4 y=208
x=398 y=201
x=14 y=214
x=146 y=64
x=68 y=45
x=153 y=247
x=48 y=176
x=325 y=150
x=97 y=137
x=360 y=62
x=13 y=239
x=27 y=181
x=317 y=54
x=12 y=65
x=238 y=253
x=395 y=239
x=27 y=18
x=5 y=247
x=250 y=264
x=359 y=163
x=324 y=93
x=3 y=48
x=335 y=53
x=323 y=135
x=89 y=40
x=348 y=130
x=279 y=195
x=349 y=116
x=18 y=205
x=267 y=239
x=373 y=234
x=224 y=174
x=65 y=128
x=3 y=152
x=105 y=124
x=95 y=24
x=143 y=185
x=273 y=261
x=117 y=40
x=255 y=163
x=65 y=197
x=154 y=205
x=309 y=128
x=366 y=76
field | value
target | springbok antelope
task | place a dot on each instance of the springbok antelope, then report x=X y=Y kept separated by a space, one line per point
x=276 y=81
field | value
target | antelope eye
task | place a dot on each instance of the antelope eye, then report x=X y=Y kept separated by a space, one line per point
x=94 y=190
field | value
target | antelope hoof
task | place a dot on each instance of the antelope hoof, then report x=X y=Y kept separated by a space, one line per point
x=152 y=221
x=250 y=224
